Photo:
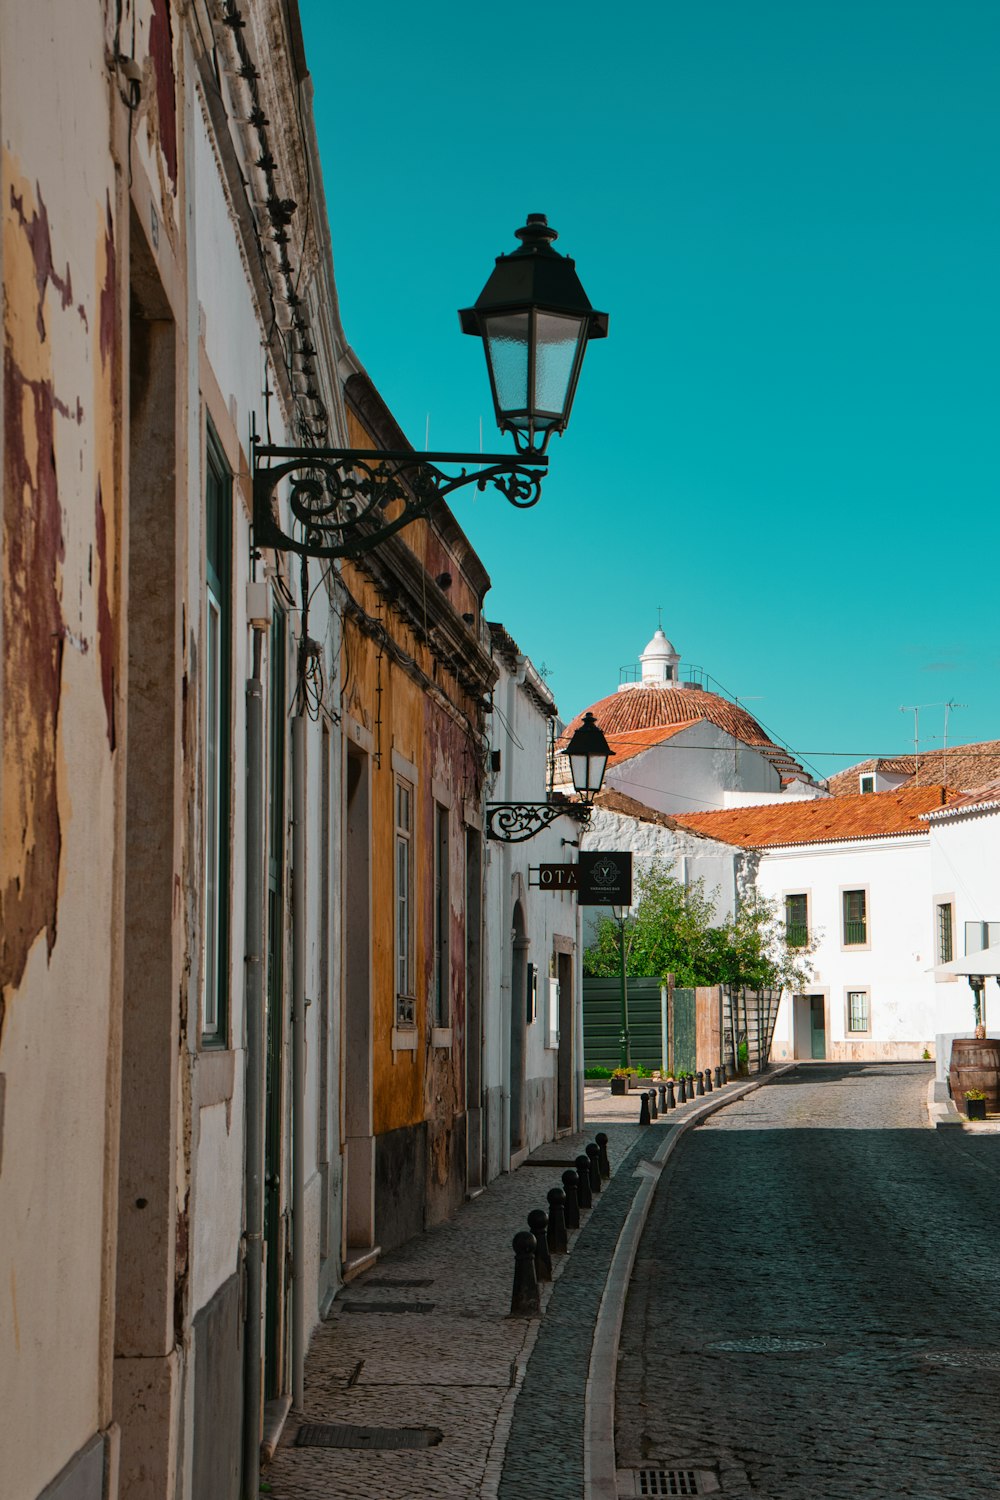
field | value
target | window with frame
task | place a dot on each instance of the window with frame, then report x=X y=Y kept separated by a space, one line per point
x=442 y=907
x=858 y=1011
x=867 y=784
x=218 y=757
x=855 y=918
x=797 y=920
x=405 y=1003
x=945 y=932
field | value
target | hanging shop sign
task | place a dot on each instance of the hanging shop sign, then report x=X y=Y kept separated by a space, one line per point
x=605 y=878
x=559 y=877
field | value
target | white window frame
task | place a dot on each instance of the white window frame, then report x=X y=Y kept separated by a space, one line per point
x=857 y=1031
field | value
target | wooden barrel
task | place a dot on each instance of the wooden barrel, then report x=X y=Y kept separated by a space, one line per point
x=975 y=1064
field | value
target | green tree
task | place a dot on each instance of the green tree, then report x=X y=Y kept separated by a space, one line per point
x=667 y=933
x=672 y=932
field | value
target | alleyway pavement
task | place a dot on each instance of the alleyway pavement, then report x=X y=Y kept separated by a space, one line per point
x=424 y=1340
x=815 y=1304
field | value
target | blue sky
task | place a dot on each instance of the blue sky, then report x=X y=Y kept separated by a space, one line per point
x=789 y=440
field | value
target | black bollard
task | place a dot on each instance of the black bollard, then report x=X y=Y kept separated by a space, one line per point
x=602 y=1146
x=708 y=1080
x=652 y=1102
x=571 y=1184
x=718 y=1078
x=682 y=1097
x=671 y=1101
x=557 y=1239
x=699 y=1084
x=663 y=1098
x=524 y=1302
x=644 y=1116
x=725 y=1074
x=538 y=1223
x=594 y=1153
x=583 y=1192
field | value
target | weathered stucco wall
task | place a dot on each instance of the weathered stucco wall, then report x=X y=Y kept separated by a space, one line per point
x=60 y=697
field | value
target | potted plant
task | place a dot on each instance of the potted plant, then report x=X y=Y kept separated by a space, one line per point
x=975 y=1104
x=620 y=1080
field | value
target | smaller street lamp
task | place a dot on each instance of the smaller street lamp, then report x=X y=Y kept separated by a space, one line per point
x=589 y=753
x=622 y=915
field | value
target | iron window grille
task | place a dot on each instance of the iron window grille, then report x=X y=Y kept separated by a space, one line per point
x=945 y=941
x=796 y=921
x=855 y=918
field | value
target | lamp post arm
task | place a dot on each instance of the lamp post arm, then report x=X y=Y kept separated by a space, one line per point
x=346 y=501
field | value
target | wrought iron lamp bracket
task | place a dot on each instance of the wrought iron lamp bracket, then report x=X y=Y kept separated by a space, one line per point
x=346 y=501
x=516 y=822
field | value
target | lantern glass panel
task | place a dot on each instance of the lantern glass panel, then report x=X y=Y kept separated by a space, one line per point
x=558 y=341
x=587 y=772
x=507 y=336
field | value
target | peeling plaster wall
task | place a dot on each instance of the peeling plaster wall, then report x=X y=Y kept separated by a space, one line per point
x=60 y=588
x=68 y=219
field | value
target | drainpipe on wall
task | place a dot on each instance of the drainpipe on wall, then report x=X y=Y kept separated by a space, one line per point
x=254 y=999
x=298 y=1059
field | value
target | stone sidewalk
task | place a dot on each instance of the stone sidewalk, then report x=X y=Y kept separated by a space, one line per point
x=424 y=1340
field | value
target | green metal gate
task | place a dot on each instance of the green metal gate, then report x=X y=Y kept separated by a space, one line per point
x=602 y=1023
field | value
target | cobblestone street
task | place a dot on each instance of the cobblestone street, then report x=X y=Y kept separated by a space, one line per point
x=815 y=1307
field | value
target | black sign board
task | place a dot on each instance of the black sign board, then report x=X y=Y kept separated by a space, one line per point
x=559 y=877
x=605 y=878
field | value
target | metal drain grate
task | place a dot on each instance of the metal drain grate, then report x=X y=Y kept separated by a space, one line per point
x=678 y=1479
x=330 y=1435
x=766 y=1344
x=667 y=1482
x=387 y=1307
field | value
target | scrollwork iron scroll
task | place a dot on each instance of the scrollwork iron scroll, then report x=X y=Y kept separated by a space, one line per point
x=516 y=822
x=343 y=502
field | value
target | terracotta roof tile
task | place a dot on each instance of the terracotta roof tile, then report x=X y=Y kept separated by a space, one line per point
x=638 y=740
x=964 y=767
x=821 y=820
x=982 y=796
x=651 y=708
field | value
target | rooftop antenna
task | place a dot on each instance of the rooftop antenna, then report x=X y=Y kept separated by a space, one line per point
x=947 y=710
x=427 y=434
x=914 y=709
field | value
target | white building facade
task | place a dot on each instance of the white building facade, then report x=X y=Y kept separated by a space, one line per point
x=532 y=1058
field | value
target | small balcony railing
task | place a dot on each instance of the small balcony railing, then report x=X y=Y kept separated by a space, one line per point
x=855 y=932
x=796 y=934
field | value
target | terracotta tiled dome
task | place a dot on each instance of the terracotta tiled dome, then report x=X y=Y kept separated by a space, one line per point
x=649 y=707
x=645 y=708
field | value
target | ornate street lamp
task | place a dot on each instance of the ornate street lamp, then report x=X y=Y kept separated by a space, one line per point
x=588 y=752
x=535 y=321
